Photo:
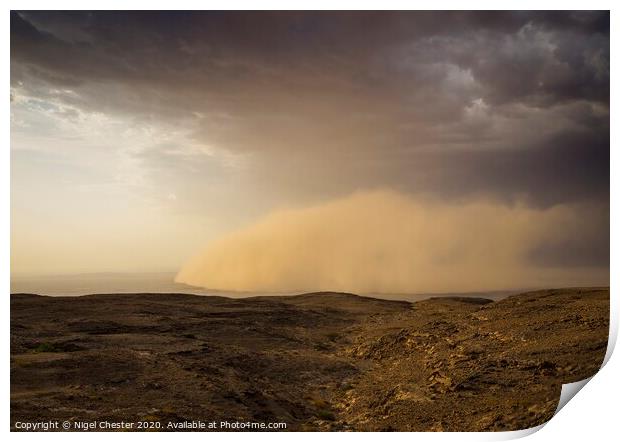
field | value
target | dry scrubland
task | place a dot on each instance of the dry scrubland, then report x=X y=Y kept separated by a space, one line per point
x=320 y=361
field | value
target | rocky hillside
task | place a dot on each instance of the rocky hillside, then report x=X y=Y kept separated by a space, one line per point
x=320 y=361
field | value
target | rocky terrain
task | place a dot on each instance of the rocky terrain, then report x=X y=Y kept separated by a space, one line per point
x=320 y=361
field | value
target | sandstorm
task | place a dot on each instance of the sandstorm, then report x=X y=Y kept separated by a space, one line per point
x=386 y=242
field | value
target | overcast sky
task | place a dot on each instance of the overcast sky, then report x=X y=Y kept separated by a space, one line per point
x=139 y=137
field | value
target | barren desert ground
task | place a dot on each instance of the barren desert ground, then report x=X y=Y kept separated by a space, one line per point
x=319 y=361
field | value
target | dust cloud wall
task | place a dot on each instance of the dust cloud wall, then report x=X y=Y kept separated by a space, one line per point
x=386 y=242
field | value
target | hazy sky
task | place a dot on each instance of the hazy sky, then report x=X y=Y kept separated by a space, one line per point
x=139 y=138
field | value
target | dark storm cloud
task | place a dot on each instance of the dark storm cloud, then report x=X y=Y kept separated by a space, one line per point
x=550 y=56
x=509 y=104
